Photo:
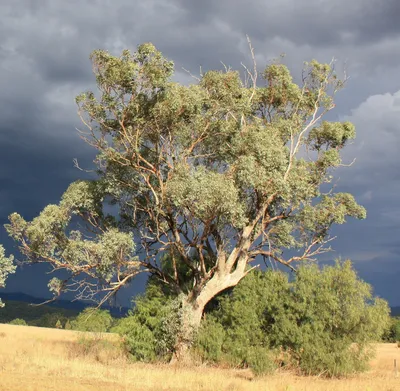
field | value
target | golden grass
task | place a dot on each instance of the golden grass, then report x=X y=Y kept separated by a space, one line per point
x=38 y=359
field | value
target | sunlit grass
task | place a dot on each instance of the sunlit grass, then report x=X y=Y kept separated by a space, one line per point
x=36 y=359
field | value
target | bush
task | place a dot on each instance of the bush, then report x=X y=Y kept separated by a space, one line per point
x=210 y=340
x=261 y=360
x=323 y=322
x=337 y=318
x=216 y=344
x=392 y=334
x=139 y=339
x=18 y=322
x=93 y=320
x=143 y=328
x=234 y=332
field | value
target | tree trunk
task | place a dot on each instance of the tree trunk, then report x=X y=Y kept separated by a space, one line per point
x=192 y=311
x=190 y=319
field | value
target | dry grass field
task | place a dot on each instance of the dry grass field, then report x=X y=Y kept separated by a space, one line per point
x=38 y=359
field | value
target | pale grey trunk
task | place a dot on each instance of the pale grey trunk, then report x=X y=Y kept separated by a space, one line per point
x=192 y=310
x=190 y=322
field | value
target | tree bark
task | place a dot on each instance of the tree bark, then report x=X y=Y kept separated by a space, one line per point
x=192 y=311
x=190 y=322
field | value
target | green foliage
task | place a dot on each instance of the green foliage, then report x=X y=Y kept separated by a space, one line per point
x=210 y=339
x=186 y=186
x=143 y=329
x=321 y=322
x=93 y=320
x=18 y=322
x=392 y=333
x=260 y=359
x=197 y=168
x=6 y=267
x=211 y=174
x=214 y=343
x=324 y=320
x=139 y=339
x=331 y=134
x=49 y=319
x=40 y=316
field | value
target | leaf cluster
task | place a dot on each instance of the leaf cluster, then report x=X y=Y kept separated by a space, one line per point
x=6 y=267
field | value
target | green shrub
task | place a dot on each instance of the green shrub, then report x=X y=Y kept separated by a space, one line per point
x=215 y=344
x=18 y=322
x=210 y=340
x=93 y=320
x=392 y=333
x=142 y=329
x=323 y=322
x=234 y=332
x=139 y=339
x=261 y=360
x=333 y=357
x=394 y=330
x=336 y=319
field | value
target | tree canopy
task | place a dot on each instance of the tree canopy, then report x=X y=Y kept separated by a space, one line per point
x=6 y=267
x=215 y=174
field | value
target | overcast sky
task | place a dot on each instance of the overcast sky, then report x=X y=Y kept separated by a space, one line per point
x=44 y=64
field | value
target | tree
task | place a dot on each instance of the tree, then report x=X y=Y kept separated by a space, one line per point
x=215 y=174
x=6 y=267
x=58 y=324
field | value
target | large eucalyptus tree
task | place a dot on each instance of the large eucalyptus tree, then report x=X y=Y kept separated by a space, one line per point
x=216 y=175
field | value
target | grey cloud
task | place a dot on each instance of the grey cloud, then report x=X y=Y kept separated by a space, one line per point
x=314 y=22
x=44 y=64
x=378 y=140
x=375 y=181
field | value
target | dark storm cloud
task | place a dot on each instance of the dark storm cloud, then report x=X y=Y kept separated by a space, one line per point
x=44 y=64
x=312 y=22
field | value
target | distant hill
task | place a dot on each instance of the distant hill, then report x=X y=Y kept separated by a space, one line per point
x=73 y=306
x=395 y=311
x=44 y=316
